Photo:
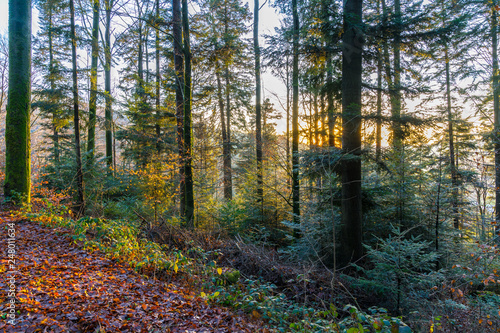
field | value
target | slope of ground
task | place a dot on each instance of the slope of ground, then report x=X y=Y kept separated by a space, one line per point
x=59 y=287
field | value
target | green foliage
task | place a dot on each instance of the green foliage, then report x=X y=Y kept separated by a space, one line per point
x=402 y=271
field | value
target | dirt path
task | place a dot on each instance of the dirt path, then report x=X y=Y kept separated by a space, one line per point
x=59 y=287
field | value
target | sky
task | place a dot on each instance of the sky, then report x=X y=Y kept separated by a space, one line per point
x=269 y=19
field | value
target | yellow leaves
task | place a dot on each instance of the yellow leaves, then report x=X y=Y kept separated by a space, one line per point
x=219 y=271
x=255 y=314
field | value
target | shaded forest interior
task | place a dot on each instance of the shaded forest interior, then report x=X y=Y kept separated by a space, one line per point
x=360 y=192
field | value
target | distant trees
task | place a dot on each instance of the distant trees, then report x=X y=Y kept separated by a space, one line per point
x=17 y=131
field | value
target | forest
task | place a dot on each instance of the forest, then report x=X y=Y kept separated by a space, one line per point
x=340 y=173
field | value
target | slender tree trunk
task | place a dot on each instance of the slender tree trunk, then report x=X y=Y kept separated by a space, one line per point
x=295 y=119
x=496 y=111
x=315 y=118
x=93 y=80
x=52 y=98
x=80 y=201
x=158 y=80
x=258 y=113
x=189 y=195
x=179 y=96
x=288 y=120
x=17 y=122
x=351 y=135
x=454 y=180
x=227 y=157
x=398 y=133
x=108 y=116
x=396 y=125
x=378 y=135
x=228 y=177
x=331 y=107
x=225 y=145
x=438 y=208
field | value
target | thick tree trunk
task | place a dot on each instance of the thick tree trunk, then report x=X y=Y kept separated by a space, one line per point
x=351 y=136
x=179 y=96
x=108 y=116
x=93 y=80
x=17 y=129
x=496 y=111
x=189 y=194
x=80 y=201
x=258 y=113
x=295 y=119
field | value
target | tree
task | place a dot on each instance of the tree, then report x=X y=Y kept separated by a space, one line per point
x=188 y=146
x=108 y=111
x=352 y=49
x=258 y=113
x=17 y=134
x=295 y=118
x=179 y=95
x=93 y=79
x=80 y=201
x=50 y=55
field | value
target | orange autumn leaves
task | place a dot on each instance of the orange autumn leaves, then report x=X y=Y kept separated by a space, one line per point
x=62 y=288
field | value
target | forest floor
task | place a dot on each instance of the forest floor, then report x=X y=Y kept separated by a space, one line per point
x=60 y=287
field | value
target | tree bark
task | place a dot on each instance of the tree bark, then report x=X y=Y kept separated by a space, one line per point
x=179 y=97
x=258 y=111
x=295 y=119
x=158 y=80
x=496 y=111
x=108 y=115
x=351 y=135
x=80 y=201
x=93 y=80
x=189 y=194
x=17 y=129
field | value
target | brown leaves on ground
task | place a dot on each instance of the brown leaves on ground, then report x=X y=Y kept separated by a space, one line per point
x=62 y=288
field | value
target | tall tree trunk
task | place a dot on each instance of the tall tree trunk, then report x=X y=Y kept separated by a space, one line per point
x=93 y=80
x=378 y=134
x=496 y=111
x=158 y=79
x=396 y=111
x=189 y=195
x=179 y=96
x=52 y=98
x=295 y=119
x=329 y=97
x=80 y=202
x=108 y=116
x=225 y=145
x=396 y=125
x=227 y=157
x=258 y=113
x=454 y=180
x=351 y=135
x=17 y=122
x=288 y=120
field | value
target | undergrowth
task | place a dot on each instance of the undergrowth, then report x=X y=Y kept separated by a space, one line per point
x=125 y=241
